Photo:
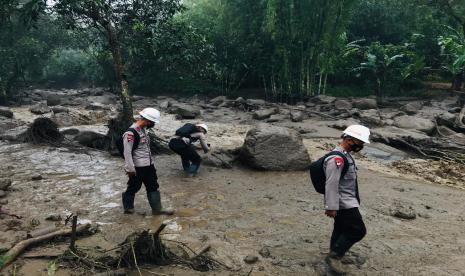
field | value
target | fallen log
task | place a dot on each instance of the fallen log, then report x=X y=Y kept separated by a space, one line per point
x=19 y=248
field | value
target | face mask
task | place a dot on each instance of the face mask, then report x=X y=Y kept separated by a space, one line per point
x=356 y=147
x=150 y=125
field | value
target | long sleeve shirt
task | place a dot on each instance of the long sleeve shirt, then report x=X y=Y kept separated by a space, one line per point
x=198 y=136
x=141 y=156
x=340 y=192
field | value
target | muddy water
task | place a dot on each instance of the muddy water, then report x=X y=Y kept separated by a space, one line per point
x=239 y=211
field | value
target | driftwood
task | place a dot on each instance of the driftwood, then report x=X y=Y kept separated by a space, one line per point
x=41 y=232
x=19 y=248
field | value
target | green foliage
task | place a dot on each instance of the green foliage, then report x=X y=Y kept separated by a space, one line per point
x=386 y=65
x=453 y=50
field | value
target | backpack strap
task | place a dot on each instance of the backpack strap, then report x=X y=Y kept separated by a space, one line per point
x=343 y=156
x=135 y=145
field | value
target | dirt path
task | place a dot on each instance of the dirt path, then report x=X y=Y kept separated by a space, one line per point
x=240 y=212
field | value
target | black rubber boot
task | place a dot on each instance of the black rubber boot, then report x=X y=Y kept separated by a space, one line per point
x=155 y=202
x=128 y=203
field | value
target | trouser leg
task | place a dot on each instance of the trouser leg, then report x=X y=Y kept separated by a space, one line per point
x=191 y=154
x=351 y=228
x=133 y=186
x=179 y=147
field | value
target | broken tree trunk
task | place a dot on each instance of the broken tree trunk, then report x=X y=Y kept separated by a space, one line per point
x=19 y=248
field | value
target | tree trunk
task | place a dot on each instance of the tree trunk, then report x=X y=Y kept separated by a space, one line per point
x=457 y=82
x=121 y=77
x=324 y=84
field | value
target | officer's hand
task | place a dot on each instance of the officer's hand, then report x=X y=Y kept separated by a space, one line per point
x=331 y=213
x=130 y=174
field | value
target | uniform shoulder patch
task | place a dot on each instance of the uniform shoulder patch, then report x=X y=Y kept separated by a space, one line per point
x=130 y=137
x=339 y=161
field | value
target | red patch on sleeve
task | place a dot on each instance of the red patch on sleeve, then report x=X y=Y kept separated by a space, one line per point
x=130 y=137
x=339 y=161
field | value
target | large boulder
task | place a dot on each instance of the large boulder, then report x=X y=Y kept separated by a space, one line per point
x=255 y=102
x=413 y=122
x=297 y=116
x=323 y=99
x=365 y=104
x=92 y=139
x=411 y=108
x=185 y=111
x=54 y=99
x=218 y=100
x=446 y=119
x=264 y=113
x=371 y=117
x=40 y=109
x=343 y=105
x=6 y=112
x=274 y=148
x=106 y=99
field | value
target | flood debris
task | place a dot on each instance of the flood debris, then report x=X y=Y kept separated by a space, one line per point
x=43 y=131
x=138 y=249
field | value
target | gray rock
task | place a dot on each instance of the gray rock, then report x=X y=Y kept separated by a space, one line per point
x=446 y=119
x=265 y=252
x=53 y=217
x=165 y=104
x=413 y=122
x=106 y=99
x=97 y=106
x=91 y=139
x=323 y=99
x=277 y=118
x=6 y=112
x=443 y=130
x=297 y=116
x=274 y=148
x=54 y=99
x=219 y=159
x=218 y=100
x=386 y=133
x=403 y=210
x=36 y=177
x=365 y=104
x=15 y=134
x=40 y=109
x=371 y=117
x=5 y=183
x=185 y=111
x=2 y=194
x=342 y=105
x=255 y=102
x=3 y=201
x=250 y=259
x=264 y=113
x=412 y=108
x=240 y=100
x=60 y=109
x=70 y=131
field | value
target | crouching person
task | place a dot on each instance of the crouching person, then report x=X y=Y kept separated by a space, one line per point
x=139 y=163
x=183 y=144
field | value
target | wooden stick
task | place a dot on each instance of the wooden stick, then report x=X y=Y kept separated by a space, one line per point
x=41 y=232
x=203 y=250
x=19 y=248
x=72 y=245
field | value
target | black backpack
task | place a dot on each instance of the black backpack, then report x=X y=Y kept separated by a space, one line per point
x=120 y=143
x=317 y=172
x=186 y=130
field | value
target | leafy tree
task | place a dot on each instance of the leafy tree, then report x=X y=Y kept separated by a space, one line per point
x=453 y=49
x=116 y=21
x=385 y=64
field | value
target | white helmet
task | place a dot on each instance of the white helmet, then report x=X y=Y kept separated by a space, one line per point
x=359 y=132
x=204 y=126
x=150 y=114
